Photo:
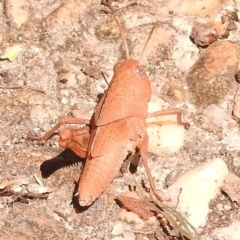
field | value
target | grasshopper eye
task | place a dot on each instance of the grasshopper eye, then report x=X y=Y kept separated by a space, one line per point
x=140 y=71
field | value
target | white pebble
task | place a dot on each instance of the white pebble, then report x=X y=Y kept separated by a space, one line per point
x=117 y=228
x=227 y=207
x=64 y=101
x=168 y=137
x=193 y=190
x=164 y=134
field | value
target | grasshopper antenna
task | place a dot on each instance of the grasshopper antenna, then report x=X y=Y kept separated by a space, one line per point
x=123 y=37
x=119 y=27
x=150 y=34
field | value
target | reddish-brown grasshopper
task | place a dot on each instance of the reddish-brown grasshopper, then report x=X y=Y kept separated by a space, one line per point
x=117 y=129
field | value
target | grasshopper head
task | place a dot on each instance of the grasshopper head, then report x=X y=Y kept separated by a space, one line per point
x=131 y=78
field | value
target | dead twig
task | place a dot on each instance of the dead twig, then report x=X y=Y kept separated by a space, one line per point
x=23 y=87
x=9 y=192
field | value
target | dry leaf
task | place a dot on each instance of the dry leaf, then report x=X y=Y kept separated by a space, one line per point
x=137 y=206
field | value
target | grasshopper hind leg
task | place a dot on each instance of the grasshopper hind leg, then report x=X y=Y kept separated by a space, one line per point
x=61 y=122
x=143 y=153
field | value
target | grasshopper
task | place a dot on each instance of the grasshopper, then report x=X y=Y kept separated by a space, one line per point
x=117 y=129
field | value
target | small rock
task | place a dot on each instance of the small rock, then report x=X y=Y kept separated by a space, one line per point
x=209 y=78
x=164 y=134
x=64 y=100
x=227 y=207
x=156 y=104
x=117 y=228
x=203 y=34
x=203 y=122
x=231 y=125
x=230 y=18
x=17 y=11
x=231 y=138
x=168 y=137
x=230 y=15
x=193 y=190
x=220 y=207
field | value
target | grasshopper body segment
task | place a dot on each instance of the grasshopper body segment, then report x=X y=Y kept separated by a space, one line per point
x=120 y=117
x=110 y=146
x=127 y=95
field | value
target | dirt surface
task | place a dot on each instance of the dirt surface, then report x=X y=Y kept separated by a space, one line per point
x=63 y=50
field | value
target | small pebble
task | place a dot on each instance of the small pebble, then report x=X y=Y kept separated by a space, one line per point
x=194 y=190
x=64 y=101
x=227 y=207
x=165 y=138
x=165 y=135
x=17 y=11
x=117 y=228
x=209 y=78
x=203 y=34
